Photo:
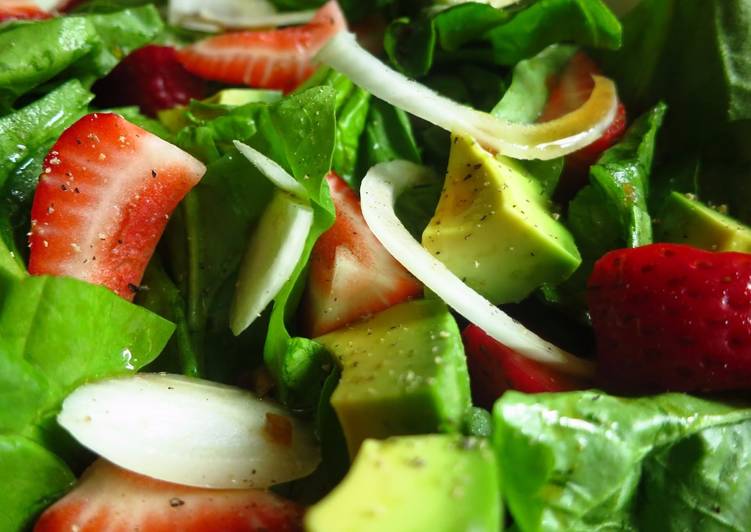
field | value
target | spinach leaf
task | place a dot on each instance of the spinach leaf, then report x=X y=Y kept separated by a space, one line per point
x=388 y=137
x=622 y=176
x=478 y=33
x=160 y=295
x=82 y=47
x=546 y=22
x=298 y=132
x=585 y=460
x=33 y=478
x=352 y=106
x=31 y=54
x=693 y=54
x=612 y=211
x=55 y=334
x=527 y=95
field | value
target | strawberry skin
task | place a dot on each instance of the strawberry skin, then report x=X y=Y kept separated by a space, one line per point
x=152 y=78
x=672 y=317
x=276 y=59
x=494 y=369
x=351 y=274
x=21 y=10
x=113 y=499
x=105 y=195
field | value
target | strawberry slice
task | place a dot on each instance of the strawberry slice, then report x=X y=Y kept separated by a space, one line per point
x=104 y=198
x=494 y=369
x=569 y=91
x=21 y=10
x=113 y=499
x=351 y=273
x=672 y=317
x=277 y=59
x=152 y=78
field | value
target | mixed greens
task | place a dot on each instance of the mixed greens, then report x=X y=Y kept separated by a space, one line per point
x=323 y=264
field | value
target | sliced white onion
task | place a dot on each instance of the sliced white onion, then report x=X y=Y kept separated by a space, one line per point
x=379 y=191
x=272 y=256
x=273 y=172
x=548 y=140
x=189 y=431
x=232 y=14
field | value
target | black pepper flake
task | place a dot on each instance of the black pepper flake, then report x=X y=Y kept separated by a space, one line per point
x=76 y=190
x=64 y=188
x=176 y=502
x=153 y=173
x=478 y=166
x=468 y=177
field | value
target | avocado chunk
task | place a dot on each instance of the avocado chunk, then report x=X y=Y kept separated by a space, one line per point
x=403 y=372
x=415 y=483
x=175 y=119
x=492 y=227
x=684 y=220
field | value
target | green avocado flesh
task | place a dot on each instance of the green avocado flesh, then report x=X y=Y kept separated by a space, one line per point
x=493 y=230
x=687 y=221
x=403 y=372
x=413 y=484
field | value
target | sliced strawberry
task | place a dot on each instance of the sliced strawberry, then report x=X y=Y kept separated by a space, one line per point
x=21 y=10
x=152 y=78
x=106 y=192
x=569 y=91
x=351 y=273
x=276 y=59
x=116 y=500
x=672 y=317
x=494 y=369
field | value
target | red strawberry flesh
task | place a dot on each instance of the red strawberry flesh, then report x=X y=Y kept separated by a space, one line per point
x=672 y=317
x=275 y=59
x=21 y=10
x=494 y=369
x=351 y=274
x=104 y=198
x=113 y=499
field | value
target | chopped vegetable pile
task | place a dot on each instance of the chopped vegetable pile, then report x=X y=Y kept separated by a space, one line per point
x=388 y=265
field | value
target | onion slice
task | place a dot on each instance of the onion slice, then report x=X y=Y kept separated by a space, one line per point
x=273 y=172
x=220 y=15
x=190 y=432
x=379 y=191
x=272 y=256
x=544 y=141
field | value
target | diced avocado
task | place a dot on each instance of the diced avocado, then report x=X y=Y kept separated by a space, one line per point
x=684 y=220
x=234 y=97
x=492 y=227
x=403 y=372
x=174 y=119
x=440 y=483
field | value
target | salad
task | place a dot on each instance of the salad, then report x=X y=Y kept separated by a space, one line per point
x=375 y=265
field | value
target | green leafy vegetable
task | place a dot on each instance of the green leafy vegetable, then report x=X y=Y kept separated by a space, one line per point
x=56 y=334
x=546 y=22
x=84 y=47
x=612 y=212
x=621 y=176
x=588 y=461
x=33 y=478
x=31 y=54
x=479 y=33
x=352 y=106
x=527 y=95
